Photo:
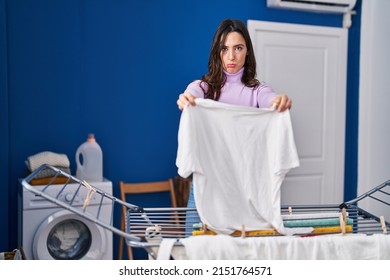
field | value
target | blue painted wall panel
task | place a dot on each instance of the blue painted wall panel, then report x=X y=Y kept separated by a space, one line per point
x=4 y=144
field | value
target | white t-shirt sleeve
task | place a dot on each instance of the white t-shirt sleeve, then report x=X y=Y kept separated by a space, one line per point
x=285 y=152
x=185 y=154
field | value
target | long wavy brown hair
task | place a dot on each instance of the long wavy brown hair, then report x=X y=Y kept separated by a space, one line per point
x=216 y=78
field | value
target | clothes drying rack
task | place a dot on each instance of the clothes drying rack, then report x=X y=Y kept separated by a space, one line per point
x=147 y=227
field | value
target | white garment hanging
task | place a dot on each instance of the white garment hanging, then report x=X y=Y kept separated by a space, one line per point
x=239 y=157
x=327 y=247
x=165 y=249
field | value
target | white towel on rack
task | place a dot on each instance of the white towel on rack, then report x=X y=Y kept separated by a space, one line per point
x=47 y=157
x=327 y=247
x=166 y=245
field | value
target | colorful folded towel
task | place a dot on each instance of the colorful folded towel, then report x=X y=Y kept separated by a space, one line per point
x=320 y=226
x=329 y=230
x=199 y=230
x=316 y=223
x=253 y=233
x=309 y=216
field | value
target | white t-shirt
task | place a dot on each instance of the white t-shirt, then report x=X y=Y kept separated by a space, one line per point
x=239 y=157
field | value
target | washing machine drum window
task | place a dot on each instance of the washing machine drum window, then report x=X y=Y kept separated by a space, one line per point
x=69 y=240
x=66 y=236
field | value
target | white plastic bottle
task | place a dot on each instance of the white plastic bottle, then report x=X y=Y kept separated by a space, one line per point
x=89 y=161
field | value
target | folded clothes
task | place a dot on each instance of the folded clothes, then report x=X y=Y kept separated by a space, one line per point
x=253 y=233
x=202 y=232
x=316 y=223
x=48 y=172
x=308 y=216
x=55 y=159
x=336 y=229
x=198 y=229
x=237 y=233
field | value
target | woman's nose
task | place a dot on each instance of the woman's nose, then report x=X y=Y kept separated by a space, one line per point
x=231 y=55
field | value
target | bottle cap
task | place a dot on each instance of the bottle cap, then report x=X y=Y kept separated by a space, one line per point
x=91 y=137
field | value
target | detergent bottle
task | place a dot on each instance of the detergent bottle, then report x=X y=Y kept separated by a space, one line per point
x=89 y=161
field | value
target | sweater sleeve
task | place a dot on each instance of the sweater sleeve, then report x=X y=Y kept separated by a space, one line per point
x=195 y=89
x=265 y=95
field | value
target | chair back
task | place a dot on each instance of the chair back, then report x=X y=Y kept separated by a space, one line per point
x=127 y=188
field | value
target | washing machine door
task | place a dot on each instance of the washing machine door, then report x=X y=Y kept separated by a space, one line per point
x=67 y=236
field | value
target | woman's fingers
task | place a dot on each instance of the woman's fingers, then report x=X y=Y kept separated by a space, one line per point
x=185 y=99
x=282 y=102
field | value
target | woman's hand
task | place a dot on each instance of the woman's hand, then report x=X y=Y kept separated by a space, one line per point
x=185 y=99
x=282 y=102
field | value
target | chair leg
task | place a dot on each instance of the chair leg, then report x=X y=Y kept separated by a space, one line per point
x=129 y=250
x=121 y=240
x=130 y=253
x=122 y=244
x=120 y=251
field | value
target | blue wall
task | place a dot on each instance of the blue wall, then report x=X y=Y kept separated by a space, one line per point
x=115 y=68
x=4 y=132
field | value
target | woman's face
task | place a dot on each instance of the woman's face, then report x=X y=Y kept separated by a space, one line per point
x=233 y=53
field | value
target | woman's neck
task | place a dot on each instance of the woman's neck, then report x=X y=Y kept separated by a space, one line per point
x=236 y=77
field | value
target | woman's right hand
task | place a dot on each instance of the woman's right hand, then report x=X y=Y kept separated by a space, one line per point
x=185 y=99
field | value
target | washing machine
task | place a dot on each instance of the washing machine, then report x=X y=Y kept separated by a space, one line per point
x=49 y=232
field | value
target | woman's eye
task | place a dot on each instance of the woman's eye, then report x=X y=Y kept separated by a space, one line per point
x=238 y=48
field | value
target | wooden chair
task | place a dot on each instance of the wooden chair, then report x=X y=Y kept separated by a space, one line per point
x=141 y=188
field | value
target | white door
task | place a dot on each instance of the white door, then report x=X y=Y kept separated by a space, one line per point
x=309 y=64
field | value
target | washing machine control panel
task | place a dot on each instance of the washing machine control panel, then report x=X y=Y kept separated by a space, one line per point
x=68 y=197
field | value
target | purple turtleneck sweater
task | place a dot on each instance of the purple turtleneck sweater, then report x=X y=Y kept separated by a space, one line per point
x=235 y=92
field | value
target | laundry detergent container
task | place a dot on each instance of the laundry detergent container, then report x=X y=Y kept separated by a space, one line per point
x=89 y=161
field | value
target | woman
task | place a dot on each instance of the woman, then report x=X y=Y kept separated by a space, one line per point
x=231 y=78
x=232 y=73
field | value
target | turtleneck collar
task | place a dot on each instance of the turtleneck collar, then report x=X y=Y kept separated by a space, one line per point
x=236 y=77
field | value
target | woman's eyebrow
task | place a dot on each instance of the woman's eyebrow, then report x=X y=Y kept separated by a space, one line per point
x=234 y=46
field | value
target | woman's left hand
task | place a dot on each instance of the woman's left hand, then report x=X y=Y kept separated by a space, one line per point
x=282 y=102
